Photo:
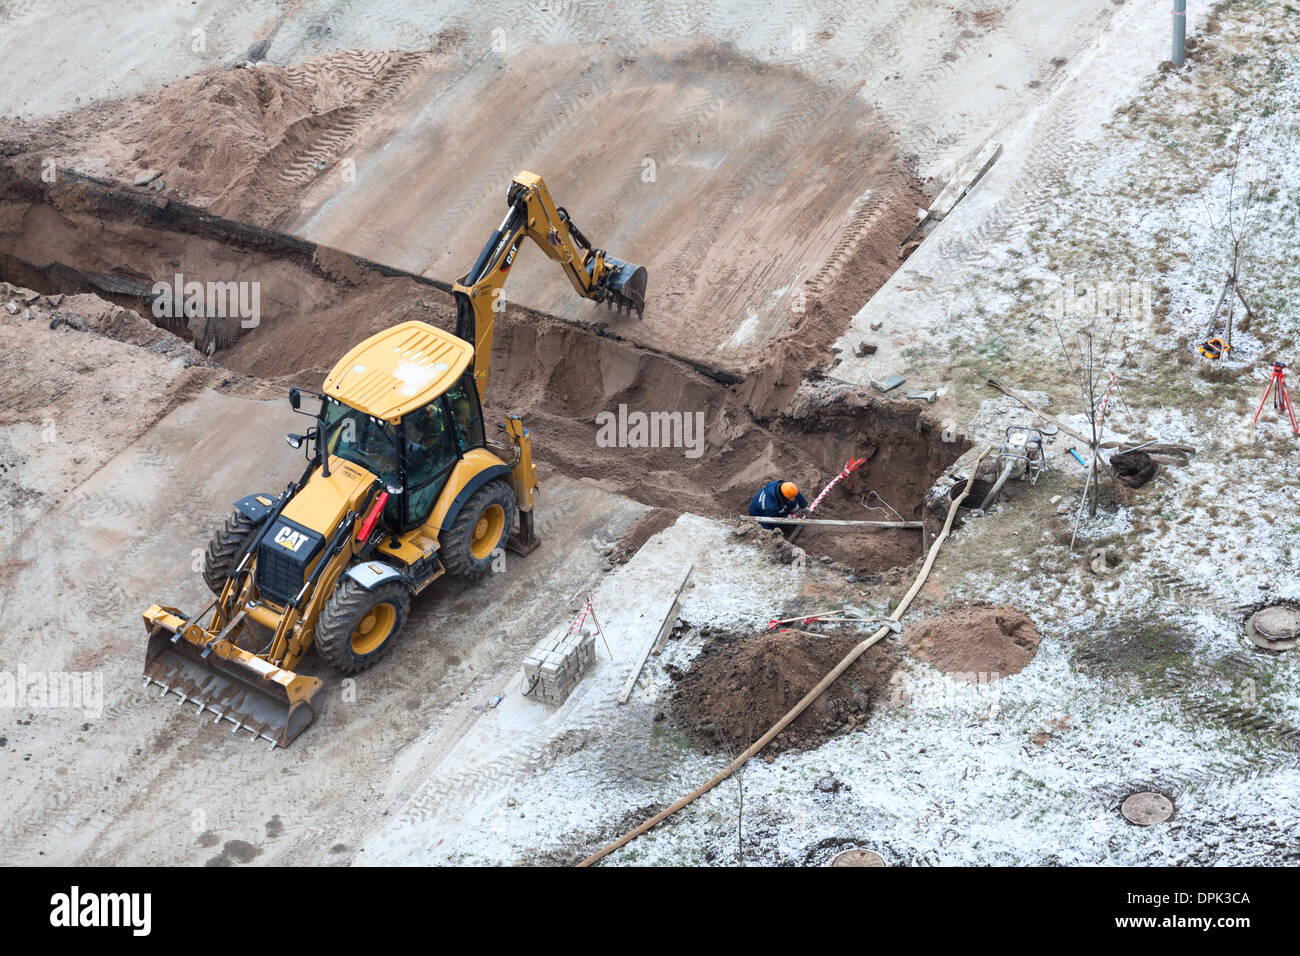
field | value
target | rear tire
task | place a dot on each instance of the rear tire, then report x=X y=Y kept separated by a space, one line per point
x=225 y=549
x=479 y=531
x=358 y=626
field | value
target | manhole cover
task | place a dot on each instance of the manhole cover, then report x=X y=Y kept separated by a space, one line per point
x=1276 y=628
x=858 y=858
x=1146 y=808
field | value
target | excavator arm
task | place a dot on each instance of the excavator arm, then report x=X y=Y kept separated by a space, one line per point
x=533 y=214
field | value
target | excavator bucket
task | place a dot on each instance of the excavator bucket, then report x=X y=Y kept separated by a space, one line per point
x=216 y=676
x=624 y=285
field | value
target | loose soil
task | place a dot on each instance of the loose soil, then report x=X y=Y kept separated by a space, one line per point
x=317 y=302
x=740 y=685
x=773 y=214
x=769 y=213
x=982 y=639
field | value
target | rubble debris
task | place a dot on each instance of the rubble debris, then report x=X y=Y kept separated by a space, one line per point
x=888 y=384
x=146 y=177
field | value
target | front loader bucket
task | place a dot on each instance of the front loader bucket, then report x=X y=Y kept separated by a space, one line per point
x=217 y=677
x=625 y=285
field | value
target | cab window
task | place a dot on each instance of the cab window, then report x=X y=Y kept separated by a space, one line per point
x=430 y=450
x=356 y=437
x=462 y=400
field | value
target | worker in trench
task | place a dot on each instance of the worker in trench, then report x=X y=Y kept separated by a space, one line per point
x=777 y=499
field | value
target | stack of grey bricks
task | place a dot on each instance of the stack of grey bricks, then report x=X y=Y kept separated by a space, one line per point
x=555 y=666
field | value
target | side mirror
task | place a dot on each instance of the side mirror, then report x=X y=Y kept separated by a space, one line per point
x=294 y=441
x=295 y=399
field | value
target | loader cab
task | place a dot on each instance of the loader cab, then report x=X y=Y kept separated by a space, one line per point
x=403 y=406
x=432 y=440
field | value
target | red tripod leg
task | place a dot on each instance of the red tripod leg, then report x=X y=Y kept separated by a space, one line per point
x=1290 y=409
x=1268 y=388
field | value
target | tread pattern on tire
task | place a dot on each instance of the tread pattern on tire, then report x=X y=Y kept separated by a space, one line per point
x=344 y=610
x=225 y=548
x=457 y=557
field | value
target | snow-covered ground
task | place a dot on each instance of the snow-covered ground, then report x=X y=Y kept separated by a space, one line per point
x=1144 y=679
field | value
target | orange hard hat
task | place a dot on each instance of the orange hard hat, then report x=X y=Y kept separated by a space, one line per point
x=789 y=490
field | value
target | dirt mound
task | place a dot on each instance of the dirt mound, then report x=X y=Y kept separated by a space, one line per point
x=981 y=639
x=242 y=142
x=740 y=685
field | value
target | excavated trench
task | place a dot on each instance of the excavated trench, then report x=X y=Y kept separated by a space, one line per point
x=595 y=402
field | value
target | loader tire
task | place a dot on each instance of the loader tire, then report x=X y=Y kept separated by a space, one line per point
x=480 y=529
x=225 y=549
x=358 y=626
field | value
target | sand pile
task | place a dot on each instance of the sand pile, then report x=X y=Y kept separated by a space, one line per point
x=241 y=142
x=740 y=685
x=982 y=639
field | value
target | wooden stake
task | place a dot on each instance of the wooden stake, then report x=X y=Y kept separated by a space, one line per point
x=601 y=631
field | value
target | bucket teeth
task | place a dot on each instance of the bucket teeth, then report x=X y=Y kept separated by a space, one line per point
x=187 y=692
x=231 y=691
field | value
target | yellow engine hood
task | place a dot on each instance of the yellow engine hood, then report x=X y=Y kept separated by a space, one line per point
x=323 y=502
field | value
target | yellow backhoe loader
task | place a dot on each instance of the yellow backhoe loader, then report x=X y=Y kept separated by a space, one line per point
x=403 y=484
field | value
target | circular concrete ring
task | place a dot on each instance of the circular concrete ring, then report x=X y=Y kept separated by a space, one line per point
x=1275 y=628
x=858 y=858
x=1146 y=808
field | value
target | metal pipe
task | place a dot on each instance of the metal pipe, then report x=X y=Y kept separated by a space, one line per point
x=1002 y=480
x=1179 y=56
x=831 y=522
